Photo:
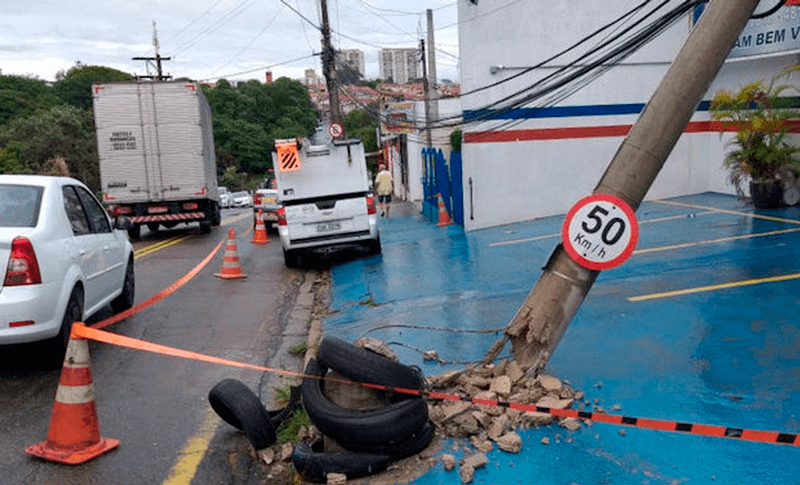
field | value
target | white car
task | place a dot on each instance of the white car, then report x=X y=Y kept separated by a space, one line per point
x=241 y=199
x=224 y=197
x=61 y=258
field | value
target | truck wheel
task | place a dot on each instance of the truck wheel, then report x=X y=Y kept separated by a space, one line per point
x=205 y=227
x=216 y=215
x=153 y=226
x=135 y=231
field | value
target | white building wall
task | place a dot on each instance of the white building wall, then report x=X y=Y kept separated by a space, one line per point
x=522 y=179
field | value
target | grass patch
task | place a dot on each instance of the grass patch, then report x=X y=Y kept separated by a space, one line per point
x=299 y=349
x=288 y=430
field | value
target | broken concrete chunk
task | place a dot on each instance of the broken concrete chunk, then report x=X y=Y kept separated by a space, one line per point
x=483 y=419
x=500 y=368
x=510 y=442
x=430 y=355
x=467 y=423
x=554 y=403
x=481 y=444
x=452 y=410
x=550 y=383
x=377 y=346
x=286 y=451
x=477 y=381
x=336 y=478
x=514 y=371
x=266 y=455
x=466 y=473
x=501 y=385
x=570 y=424
x=449 y=461
x=477 y=460
x=498 y=427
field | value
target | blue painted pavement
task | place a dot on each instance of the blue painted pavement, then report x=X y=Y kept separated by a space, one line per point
x=725 y=355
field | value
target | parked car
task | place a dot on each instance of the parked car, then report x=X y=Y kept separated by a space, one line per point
x=61 y=258
x=266 y=200
x=241 y=199
x=224 y=197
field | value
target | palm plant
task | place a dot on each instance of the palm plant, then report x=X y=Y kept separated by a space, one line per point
x=760 y=151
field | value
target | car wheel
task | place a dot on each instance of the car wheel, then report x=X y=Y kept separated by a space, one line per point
x=314 y=465
x=292 y=258
x=374 y=246
x=73 y=313
x=135 y=231
x=238 y=406
x=384 y=426
x=153 y=226
x=363 y=365
x=125 y=299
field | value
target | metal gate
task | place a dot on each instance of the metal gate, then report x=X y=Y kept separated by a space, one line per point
x=445 y=179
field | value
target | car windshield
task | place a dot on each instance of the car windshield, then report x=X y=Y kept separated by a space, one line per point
x=19 y=205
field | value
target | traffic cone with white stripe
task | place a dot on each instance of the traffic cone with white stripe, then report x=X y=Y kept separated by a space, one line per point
x=444 y=217
x=231 y=269
x=74 y=435
x=260 y=234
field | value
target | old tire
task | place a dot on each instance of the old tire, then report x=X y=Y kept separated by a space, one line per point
x=399 y=449
x=125 y=299
x=363 y=365
x=313 y=464
x=380 y=427
x=238 y=406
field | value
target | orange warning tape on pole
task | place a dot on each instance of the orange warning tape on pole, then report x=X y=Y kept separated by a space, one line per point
x=79 y=330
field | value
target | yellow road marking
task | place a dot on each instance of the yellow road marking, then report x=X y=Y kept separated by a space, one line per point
x=159 y=246
x=725 y=211
x=723 y=286
x=714 y=241
x=185 y=468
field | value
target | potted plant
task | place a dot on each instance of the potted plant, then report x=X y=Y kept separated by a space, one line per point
x=759 y=152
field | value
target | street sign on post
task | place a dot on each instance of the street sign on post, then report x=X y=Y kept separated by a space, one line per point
x=600 y=232
x=335 y=130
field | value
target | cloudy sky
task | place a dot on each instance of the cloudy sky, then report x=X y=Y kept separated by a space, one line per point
x=212 y=39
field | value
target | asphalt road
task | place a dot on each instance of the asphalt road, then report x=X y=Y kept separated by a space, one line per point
x=157 y=405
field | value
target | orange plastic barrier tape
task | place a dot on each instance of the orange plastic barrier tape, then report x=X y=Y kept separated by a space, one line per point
x=79 y=330
x=161 y=295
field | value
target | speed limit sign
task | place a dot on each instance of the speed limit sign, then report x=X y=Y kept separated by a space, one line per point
x=335 y=130
x=600 y=231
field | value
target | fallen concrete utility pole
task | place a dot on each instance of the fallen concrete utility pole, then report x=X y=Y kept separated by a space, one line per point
x=548 y=310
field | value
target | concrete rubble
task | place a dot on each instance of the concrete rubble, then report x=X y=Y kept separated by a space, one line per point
x=485 y=426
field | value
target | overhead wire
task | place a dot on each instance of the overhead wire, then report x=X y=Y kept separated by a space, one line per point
x=230 y=15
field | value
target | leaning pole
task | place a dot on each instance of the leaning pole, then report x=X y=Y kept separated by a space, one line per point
x=543 y=318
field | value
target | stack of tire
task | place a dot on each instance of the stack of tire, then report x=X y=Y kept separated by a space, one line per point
x=372 y=439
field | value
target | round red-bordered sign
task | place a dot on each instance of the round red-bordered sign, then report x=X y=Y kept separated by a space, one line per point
x=335 y=130
x=600 y=231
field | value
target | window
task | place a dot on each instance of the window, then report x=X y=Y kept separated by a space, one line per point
x=19 y=205
x=75 y=212
x=97 y=216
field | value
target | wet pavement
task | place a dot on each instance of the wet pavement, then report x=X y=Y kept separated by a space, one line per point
x=700 y=326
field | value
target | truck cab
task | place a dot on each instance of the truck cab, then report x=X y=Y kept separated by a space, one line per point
x=324 y=195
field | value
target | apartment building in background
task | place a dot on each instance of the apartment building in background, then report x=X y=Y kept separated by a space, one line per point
x=399 y=66
x=353 y=58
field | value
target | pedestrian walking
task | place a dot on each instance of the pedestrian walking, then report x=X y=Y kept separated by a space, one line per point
x=383 y=187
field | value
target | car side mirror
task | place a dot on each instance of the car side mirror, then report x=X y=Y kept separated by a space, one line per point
x=122 y=223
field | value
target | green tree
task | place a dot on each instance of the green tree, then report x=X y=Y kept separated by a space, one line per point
x=75 y=86
x=22 y=96
x=29 y=143
x=359 y=123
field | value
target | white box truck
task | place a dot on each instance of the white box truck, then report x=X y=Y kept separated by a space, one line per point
x=156 y=148
x=325 y=197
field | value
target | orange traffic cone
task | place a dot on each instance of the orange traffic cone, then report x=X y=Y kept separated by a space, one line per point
x=230 y=260
x=74 y=435
x=260 y=234
x=444 y=217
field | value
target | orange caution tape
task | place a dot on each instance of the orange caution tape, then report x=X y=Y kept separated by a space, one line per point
x=79 y=330
x=161 y=295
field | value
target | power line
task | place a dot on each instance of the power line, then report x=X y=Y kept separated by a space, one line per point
x=263 y=67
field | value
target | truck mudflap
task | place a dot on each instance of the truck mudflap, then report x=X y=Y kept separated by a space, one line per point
x=186 y=216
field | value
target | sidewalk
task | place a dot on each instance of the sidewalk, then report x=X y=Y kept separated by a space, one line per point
x=725 y=355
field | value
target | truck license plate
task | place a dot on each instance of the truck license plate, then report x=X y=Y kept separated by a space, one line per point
x=329 y=226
